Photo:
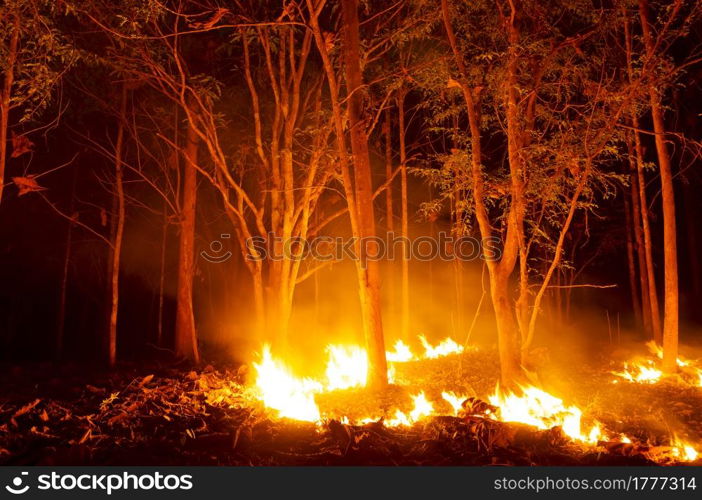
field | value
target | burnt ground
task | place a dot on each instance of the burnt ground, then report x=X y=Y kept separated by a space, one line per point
x=158 y=415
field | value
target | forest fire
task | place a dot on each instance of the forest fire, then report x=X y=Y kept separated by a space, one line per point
x=279 y=389
x=346 y=367
x=648 y=371
x=293 y=397
x=314 y=232
x=540 y=409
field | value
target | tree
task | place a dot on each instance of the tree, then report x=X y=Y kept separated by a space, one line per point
x=369 y=269
x=185 y=333
x=117 y=232
x=34 y=56
x=670 y=248
x=358 y=188
x=539 y=75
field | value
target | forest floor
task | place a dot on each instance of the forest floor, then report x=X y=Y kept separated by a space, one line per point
x=157 y=415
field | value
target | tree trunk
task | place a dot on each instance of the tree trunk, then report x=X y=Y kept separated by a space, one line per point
x=670 y=315
x=405 y=320
x=512 y=373
x=389 y=215
x=278 y=310
x=5 y=100
x=61 y=327
x=631 y=263
x=647 y=240
x=185 y=334
x=458 y=221
x=646 y=312
x=259 y=301
x=118 y=234
x=368 y=269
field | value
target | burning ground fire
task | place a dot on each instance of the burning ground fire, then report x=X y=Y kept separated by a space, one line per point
x=646 y=371
x=346 y=367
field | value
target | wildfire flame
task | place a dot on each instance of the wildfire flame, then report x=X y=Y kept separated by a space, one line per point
x=347 y=366
x=422 y=408
x=647 y=371
x=540 y=409
x=292 y=397
x=401 y=353
x=444 y=348
x=456 y=402
x=644 y=372
x=685 y=452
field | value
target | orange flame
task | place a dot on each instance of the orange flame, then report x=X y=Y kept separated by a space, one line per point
x=540 y=409
x=292 y=397
x=347 y=366
x=443 y=348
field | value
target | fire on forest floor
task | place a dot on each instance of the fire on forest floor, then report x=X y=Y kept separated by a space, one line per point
x=167 y=416
x=407 y=404
x=646 y=370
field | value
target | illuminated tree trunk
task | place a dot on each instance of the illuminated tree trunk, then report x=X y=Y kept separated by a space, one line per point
x=368 y=269
x=511 y=369
x=278 y=313
x=118 y=233
x=389 y=213
x=185 y=333
x=645 y=299
x=259 y=301
x=404 y=216
x=670 y=315
x=647 y=240
x=631 y=262
x=5 y=100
